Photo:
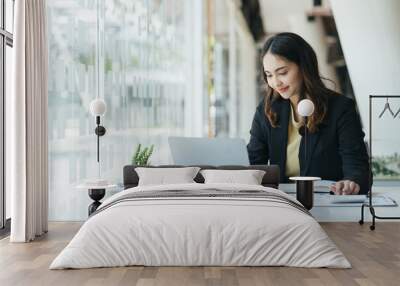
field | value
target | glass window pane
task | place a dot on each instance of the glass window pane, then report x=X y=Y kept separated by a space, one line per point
x=142 y=79
x=10 y=16
x=72 y=85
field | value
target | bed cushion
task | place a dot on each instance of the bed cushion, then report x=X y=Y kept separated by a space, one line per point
x=248 y=177
x=165 y=176
x=271 y=177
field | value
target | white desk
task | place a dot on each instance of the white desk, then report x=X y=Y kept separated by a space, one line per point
x=353 y=213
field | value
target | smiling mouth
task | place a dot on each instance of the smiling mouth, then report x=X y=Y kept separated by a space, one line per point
x=283 y=89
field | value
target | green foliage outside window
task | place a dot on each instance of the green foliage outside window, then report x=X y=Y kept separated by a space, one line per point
x=386 y=167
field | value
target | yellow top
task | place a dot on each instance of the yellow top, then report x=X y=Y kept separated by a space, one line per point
x=293 y=144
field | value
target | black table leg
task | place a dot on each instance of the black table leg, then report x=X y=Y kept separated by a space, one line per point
x=96 y=195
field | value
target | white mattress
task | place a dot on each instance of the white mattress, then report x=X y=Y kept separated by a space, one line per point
x=200 y=231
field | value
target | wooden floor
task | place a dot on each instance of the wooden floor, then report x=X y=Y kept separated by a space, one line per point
x=375 y=256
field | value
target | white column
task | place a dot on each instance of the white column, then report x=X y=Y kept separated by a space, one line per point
x=247 y=78
x=233 y=108
x=195 y=88
x=369 y=32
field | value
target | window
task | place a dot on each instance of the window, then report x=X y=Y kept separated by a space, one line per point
x=6 y=43
x=143 y=79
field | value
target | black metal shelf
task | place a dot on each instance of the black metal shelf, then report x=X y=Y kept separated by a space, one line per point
x=370 y=204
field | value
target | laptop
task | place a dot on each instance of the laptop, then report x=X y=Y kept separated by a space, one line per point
x=208 y=151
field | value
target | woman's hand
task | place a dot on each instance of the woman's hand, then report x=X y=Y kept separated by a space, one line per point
x=345 y=187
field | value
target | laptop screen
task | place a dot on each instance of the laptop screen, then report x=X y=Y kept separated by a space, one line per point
x=208 y=151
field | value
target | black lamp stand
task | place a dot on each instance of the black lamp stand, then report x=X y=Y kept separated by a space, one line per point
x=97 y=194
x=304 y=187
x=100 y=131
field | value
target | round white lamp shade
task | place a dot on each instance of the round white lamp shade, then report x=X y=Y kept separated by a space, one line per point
x=305 y=108
x=98 y=107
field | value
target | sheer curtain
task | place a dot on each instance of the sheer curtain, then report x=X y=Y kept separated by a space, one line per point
x=27 y=117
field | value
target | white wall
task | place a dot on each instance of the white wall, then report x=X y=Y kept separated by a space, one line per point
x=275 y=13
x=369 y=32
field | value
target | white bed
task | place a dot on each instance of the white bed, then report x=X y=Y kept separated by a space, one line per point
x=185 y=230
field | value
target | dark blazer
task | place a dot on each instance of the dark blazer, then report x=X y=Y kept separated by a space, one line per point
x=335 y=152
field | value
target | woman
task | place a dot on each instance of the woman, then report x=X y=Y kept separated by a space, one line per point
x=335 y=146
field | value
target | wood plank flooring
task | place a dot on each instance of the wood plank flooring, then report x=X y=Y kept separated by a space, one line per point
x=375 y=257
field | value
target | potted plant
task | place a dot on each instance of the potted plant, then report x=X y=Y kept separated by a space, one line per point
x=141 y=156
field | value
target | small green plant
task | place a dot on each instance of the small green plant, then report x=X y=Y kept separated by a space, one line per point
x=141 y=156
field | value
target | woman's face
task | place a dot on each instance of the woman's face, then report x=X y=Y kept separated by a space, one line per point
x=282 y=75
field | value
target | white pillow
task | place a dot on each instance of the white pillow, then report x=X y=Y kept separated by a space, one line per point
x=248 y=177
x=163 y=176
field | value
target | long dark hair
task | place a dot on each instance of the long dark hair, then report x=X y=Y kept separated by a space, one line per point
x=295 y=49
